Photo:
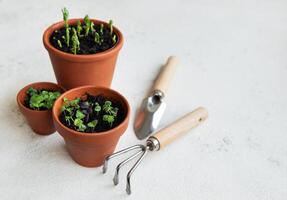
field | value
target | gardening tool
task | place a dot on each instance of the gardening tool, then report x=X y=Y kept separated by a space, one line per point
x=156 y=142
x=153 y=106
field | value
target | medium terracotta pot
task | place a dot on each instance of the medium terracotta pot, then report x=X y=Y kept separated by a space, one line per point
x=90 y=149
x=41 y=122
x=77 y=70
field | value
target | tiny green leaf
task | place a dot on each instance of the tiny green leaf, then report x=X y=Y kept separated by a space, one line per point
x=92 y=124
x=97 y=108
x=109 y=118
x=80 y=115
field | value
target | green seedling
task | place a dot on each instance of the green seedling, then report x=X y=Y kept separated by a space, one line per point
x=66 y=24
x=31 y=91
x=111 y=27
x=89 y=25
x=59 y=43
x=78 y=122
x=80 y=125
x=114 y=39
x=97 y=108
x=92 y=124
x=109 y=119
x=80 y=115
x=102 y=29
x=98 y=39
x=42 y=99
x=75 y=42
x=79 y=29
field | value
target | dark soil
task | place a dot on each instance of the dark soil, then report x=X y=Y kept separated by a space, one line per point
x=92 y=115
x=87 y=43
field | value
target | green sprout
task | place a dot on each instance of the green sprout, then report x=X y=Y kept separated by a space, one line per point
x=92 y=124
x=68 y=118
x=98 y=39
x=75 y=42
x=42 y=99
x=80 y=115
x=80 y=124
x=89 y=25
x=111 y=26
x=59 y=43
x=79 y=28
x=97 y=108
x=65 y=17
x=102 y=29
x=114 y=39
x=109 y=118
x=31 y=91
x=107 y=107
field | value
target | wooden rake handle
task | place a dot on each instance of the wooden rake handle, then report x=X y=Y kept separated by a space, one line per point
x=165 y=75
x=181 y=126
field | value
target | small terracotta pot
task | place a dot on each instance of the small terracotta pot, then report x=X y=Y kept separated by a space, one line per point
x=78 y=70
x=41 y=122
x=90 y=149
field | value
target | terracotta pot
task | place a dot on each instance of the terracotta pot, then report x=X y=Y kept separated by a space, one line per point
x=77 y=70
x=90 y=149
x=41 y=122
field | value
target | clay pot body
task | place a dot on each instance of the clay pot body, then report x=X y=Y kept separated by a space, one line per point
x=41 y=122
x=90 y=149
x=78 y=70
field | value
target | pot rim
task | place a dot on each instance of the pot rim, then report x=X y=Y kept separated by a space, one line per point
x=92 y=134
x=85 y=57
x=24 y=89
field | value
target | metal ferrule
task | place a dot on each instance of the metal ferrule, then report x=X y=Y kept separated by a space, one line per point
x=153 y=144
x=158 y=93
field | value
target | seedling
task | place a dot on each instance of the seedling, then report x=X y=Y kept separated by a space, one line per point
x=66 y=24
x=41 y=99
x=91 y=115
x=109 y=118
x=89 y=25
x=111 y=27
x=59 y=43
x=79 y=29
x=114 y=39
x=98 y=108
x=75 y=42
x=97 y=38
x=102 y=29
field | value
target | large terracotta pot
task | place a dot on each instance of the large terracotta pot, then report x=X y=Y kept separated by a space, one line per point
x=90 y=149
x=78 y=70
x=41 y=122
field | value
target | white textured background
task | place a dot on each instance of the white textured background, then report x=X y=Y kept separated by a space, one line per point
x=233 y=61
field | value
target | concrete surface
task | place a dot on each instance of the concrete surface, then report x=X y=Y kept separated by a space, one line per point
x=233 y=62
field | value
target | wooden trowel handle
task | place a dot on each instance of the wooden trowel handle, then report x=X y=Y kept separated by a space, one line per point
x=165 y=74
x=181 y=126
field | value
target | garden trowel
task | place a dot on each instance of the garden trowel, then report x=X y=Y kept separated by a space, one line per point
x=153 y=106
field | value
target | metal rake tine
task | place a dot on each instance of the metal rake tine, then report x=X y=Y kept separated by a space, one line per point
x=105 y=166
x=128 y=187
x=121 y=164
